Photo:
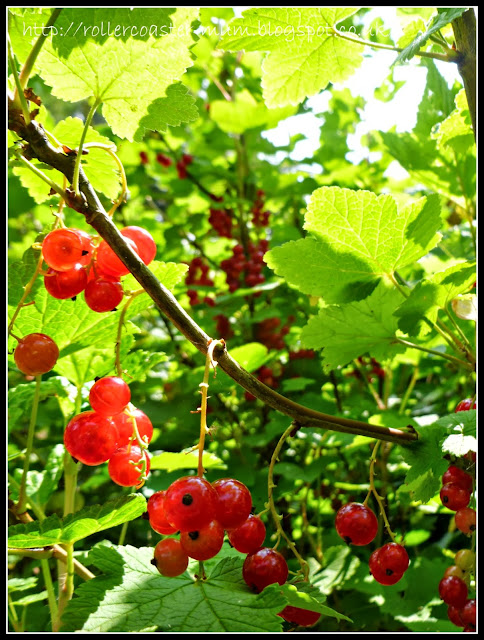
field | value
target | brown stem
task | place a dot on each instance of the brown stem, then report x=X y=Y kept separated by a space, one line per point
x=90 y=206
x=464 y=29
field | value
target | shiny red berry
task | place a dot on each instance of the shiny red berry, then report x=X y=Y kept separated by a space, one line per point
x=249 y=536
x=235 y=502
x=453 y=591
x=465 y=405
x=453 y=613
x=90 y=438
x=465 y=520
x=169 y=558
x=36 y=354
x=109 y=396
x=108 y=263
x=156 y=514
x=301 y=617
x=124 y=425
x=190 y=503
x=454 y=497
x=263 y=567
x=204 y=543
x=146 y=246
x=356 y=524
x=66 y=284
x=62 y=249
x=125 y=466
x=378 y=571
x=468 y=613
x=458 y=476
x=103 y=294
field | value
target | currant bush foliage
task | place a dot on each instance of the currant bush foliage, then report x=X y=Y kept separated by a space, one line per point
x=341 y=295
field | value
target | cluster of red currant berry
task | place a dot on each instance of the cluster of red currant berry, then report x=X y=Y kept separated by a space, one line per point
x=221 y=222
x=202 y=512
x=182 y=164
x=76 y=264
x=240 y=269
x=358 y=525
x=113 y=431
x=260 y=218
x=302 y=354
x=453 y=589
x=198 y=275
x=270 y=333
x=223 y=327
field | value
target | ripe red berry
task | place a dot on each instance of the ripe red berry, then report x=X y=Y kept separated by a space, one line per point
x=66 y=284
x=62 y=249
x=125 y=466
x=453 y=614
x=249 y=536
x=356 y=524
x=35 y=354
x=204 y=543
x=454 y=570
x=301 y=617
x=190 y=503
x=465 y=520
x=87 y=247
x=169 y=558
x=164 y=160
x=454 y=497
x=465 y=405
x=379 y=572
x=107 y=261
x=124 y=425
x=145 y=245
x=468 y=613
x=453 y=591
x=263 y=567
x=103 y=294
x=235 y=502
x=109 y=396
x=393 y=558
x=90 y=438
x=156 y=514
x=458 y=476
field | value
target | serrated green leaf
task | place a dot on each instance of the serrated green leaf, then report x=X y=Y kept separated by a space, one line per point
x=443 y=17
x=456 y=130
x=304 y=596
x=75 y=527
x=125 y=70
x=305 y=55
x=357 y=238
x=133 y=596
x=432 y=294
x=347 y=331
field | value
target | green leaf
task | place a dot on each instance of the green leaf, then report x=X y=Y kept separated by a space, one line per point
x=432 y=294
x=347 y=331
x=304 y=596
x=134 y=596
x=126 y=70
x=456 y=130
x=305 y=55
x=443 y=17
x=250 y=356
x=77 y=526
x=356 y=238
x=20 y=398
x=188 y=459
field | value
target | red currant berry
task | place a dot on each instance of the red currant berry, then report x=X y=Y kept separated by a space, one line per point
x=468 y=613
x=379 y=572
x=35 y=354
x=107 y=261
x=165 y=161
x=87 y=247
x=393 y=558
x=301 y=617
x=263 y=567
x=470 y=628
x=109 y=396
x=157 y=516
x=454 y=497
x=453 y=591
x=204 y=543
x=453 y=614
x=62 y=249
x=190 y=503
x=66 y=284
x=90 y=438
x=465 y=405
x=235 y=502
x=103 y=294
x=169 y=558
x=249 y=536
x=356 y=524
x=465 y=520
x=144 y=242
x=454 y=570
x=125 y=466
x=124 y=425
x=143 y=156
x=458 y=476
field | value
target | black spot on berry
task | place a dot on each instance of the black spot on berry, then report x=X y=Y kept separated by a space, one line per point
x=389 y=572
x=187 y=499
x=193 y=535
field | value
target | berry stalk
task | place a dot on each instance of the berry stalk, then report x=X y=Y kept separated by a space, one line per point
x=22 y=497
